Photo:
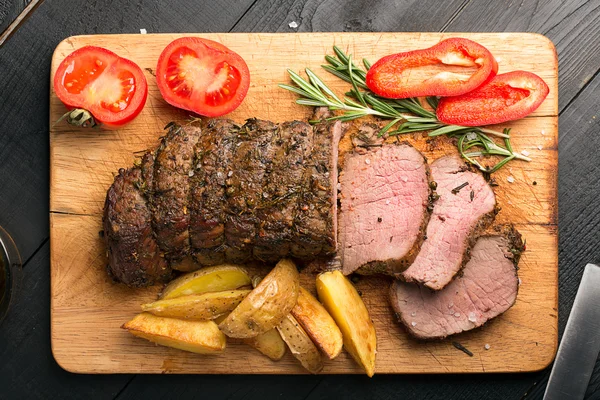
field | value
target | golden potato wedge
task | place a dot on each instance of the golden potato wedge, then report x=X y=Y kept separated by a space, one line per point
x=269 y=343
x=205 y=306
x=318 y=324
x=266 y=305
x=301 y=346
x=203 y=337
x=341 y=299
x=209 y=279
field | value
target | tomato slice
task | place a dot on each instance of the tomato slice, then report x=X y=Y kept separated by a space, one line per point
x=111 y=88
x=506 y=97
x=452 y=67
x=202 y=76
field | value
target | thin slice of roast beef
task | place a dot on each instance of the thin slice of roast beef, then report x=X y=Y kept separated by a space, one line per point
x=133 y=254
x=384 y=197
x=169 y=205
x=465 y=207
x=487 y=288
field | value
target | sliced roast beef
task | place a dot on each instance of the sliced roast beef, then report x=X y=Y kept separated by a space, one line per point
x=315 y=218
x=213 y=163
x=133 y=254
x=487 y=287
x=170 y=216
x=282 y=183
x=384 y=197
x=465 y=207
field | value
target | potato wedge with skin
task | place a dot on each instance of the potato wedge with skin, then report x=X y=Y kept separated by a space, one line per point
x=269 y=343
x=343 y=302
x=204 y=307
x=203 y=337
x=318 y=324
x=209 y=279
x=266 y=305
x=301 y=346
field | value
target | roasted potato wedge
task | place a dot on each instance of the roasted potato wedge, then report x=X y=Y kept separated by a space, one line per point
x=266 y=305
x=205 y=306
x=269 y=343
x=301 y=346
x=318 y=324
x=209 y=279
x=203 y=337
x=343 y=302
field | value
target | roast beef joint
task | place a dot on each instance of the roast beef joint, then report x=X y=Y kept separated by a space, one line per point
x=219 y=192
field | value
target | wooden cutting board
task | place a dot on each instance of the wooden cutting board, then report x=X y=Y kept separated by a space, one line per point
x=87 y=309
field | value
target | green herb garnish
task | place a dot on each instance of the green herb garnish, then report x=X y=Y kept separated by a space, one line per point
x=406 y=115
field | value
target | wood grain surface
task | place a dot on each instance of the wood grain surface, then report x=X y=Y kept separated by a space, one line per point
x=87 y=309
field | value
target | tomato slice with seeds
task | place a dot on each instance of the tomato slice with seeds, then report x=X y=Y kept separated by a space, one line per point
x=202 y=76
x=113 y=89
x=506 y=97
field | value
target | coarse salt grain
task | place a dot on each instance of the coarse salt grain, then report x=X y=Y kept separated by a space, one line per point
x=520 y=281
x=457 y=314
x=404 y=179
x=540 y=147
x=367 y=161
x=143 y=31
x=510 y=179
x=191 y=173
x=412 y=314
x=487 y=346
x=525 y=153
x=339 y=186
x=450 y=305
x=543 y=132
x=387 y=202
x=413 y=323
x=472 y=317
x=230 y=173
x=293 y=24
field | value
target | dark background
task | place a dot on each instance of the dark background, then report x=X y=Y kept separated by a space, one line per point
x=27 y=369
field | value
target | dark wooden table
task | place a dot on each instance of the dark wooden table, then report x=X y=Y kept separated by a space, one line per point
x=27 y=368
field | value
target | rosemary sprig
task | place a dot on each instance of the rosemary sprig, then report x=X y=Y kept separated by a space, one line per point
x=405 y=115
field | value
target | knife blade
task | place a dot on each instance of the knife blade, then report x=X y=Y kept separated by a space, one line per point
x=580 y=343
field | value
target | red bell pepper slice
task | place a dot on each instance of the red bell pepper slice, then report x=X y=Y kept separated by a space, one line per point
x=450 y=68
x=506 y=97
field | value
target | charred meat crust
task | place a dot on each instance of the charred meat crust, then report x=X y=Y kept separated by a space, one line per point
x=169 y=203
x=315 y=214
x=212 y=161
x=228 y=193
x=133 y=254
x=253 y=155
x=292 y=143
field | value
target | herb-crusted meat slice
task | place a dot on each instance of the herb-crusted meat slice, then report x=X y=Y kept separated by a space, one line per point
x=133 y=254
x=487 y=287
x=170 y=216
x=244 y=192
x=465 y=207
x=315 y=220
x=292 y=145
x=212 y=165
x=384 y=198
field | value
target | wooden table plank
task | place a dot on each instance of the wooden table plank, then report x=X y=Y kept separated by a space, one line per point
x=27 y=368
